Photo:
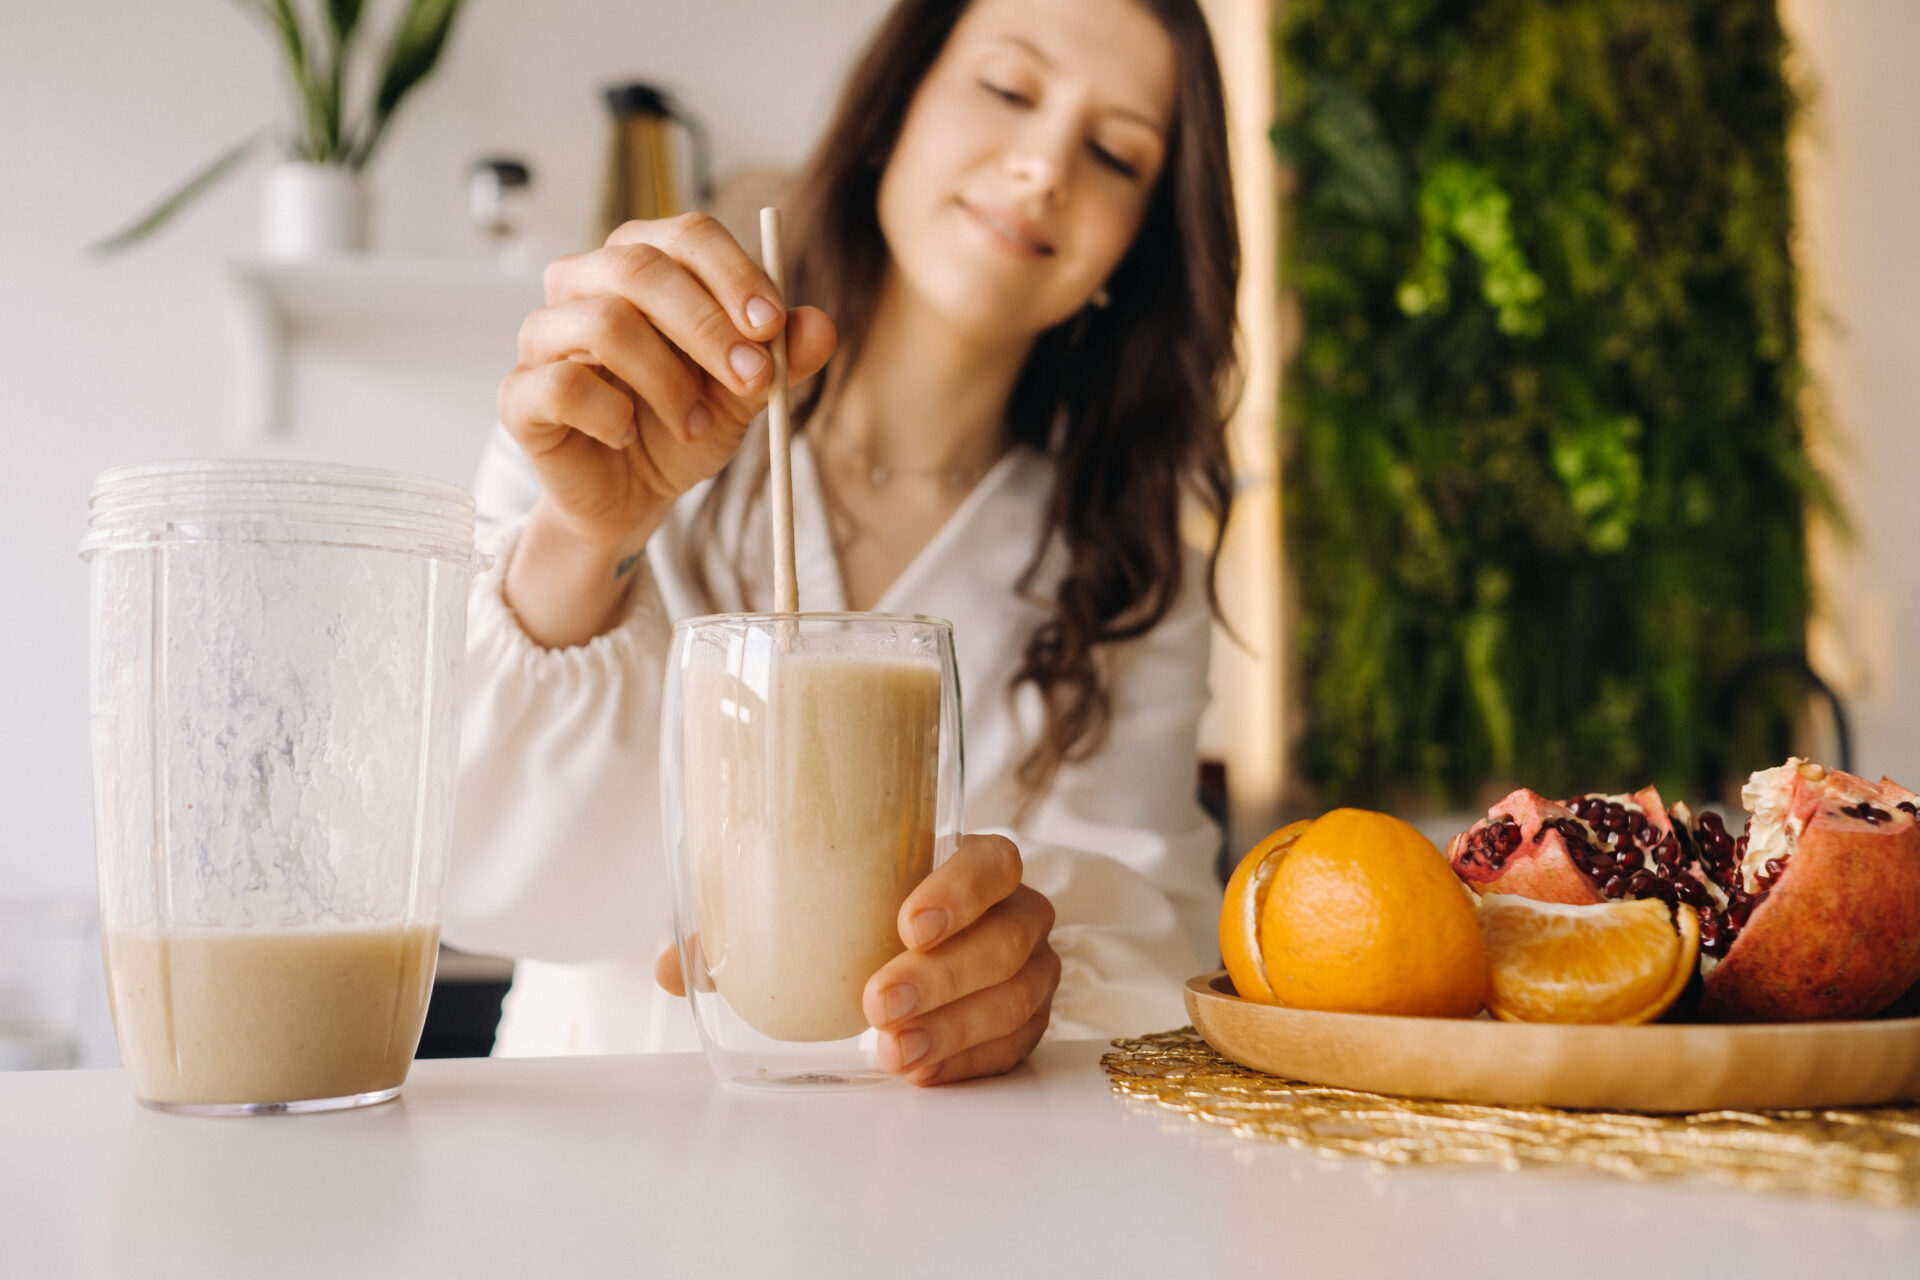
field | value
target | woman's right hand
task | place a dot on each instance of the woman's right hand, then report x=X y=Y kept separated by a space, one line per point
x=635 y=382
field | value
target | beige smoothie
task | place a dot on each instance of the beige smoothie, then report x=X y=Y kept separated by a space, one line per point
x=268 y=1015
x=809 y=818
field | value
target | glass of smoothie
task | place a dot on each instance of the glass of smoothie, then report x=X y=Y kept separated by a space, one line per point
x=811 y=777
x=275 y=665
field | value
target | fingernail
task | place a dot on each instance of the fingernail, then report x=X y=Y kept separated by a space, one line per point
x=699 y=418
x=898 y=1002
x=761 y=313
x=928 y=925
x=747 y=361
x=913 y=1047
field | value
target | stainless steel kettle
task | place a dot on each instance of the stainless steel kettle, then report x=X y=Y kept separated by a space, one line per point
x=657 y=162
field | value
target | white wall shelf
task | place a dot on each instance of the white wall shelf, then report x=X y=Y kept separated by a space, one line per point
x=383 y=295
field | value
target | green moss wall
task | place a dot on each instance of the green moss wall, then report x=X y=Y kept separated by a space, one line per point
x=1545 y=484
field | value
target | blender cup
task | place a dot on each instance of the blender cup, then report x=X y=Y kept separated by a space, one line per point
x=275 y=668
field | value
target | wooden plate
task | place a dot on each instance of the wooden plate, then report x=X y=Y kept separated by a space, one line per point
x=1666 y=1067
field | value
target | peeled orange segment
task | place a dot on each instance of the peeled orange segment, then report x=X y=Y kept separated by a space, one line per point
x=1607 y=962
x=1240 y=913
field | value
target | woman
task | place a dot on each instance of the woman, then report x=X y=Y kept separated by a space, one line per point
x=1020 y=223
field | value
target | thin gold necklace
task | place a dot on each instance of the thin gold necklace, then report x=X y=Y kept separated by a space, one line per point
x=879 y=473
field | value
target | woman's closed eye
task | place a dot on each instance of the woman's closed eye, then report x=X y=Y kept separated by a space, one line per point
x=1013 y=96
x=1112 y=161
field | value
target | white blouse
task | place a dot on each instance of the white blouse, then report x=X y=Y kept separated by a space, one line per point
x=557 y=857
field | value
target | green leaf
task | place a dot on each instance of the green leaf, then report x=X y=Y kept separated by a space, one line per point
x=411 y=57
x=190 y=191
x=1467 y=203
x=1365 y=176
x=1481 y=640
x=314 y=137
x=343 y=18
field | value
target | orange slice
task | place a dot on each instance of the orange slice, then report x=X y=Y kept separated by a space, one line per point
x=1246 y=897
x=1608 y=962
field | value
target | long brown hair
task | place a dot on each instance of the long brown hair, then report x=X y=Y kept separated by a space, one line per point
x=1130 y=399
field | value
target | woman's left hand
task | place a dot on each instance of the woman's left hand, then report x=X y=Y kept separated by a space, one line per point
x=972 y=993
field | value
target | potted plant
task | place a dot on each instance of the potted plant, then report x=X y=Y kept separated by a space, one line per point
x=315 y=203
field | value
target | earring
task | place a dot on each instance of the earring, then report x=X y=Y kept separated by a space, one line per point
x=1100 y=298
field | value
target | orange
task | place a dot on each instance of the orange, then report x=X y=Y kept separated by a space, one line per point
x=1240 y=912
x=1616 y=962
x=1354 y=912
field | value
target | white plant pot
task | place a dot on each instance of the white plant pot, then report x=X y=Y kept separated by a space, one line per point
x=313 y=211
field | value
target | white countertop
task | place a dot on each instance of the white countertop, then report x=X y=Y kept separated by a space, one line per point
x=589 y=1167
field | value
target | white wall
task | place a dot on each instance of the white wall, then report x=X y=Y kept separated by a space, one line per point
x=105 y=104
x=1859 y=188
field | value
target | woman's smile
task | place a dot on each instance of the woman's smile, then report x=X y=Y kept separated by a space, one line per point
x=1006 y=230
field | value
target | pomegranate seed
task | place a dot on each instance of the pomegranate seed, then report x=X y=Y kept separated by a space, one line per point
x=1614 y=887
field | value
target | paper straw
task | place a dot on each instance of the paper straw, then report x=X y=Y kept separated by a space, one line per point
x=786 y=583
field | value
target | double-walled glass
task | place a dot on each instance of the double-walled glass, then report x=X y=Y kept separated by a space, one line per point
x=811 y=775
x=276 y=654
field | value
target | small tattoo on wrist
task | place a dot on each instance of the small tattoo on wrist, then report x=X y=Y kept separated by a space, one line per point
x=620 y=570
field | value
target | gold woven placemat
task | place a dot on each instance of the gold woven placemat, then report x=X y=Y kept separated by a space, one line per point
x=1869 y=1153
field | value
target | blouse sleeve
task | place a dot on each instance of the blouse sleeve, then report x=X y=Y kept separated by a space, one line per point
x=555 y=854
x=1124 y=851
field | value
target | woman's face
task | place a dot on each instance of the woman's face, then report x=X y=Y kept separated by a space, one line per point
x=1026 y=159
